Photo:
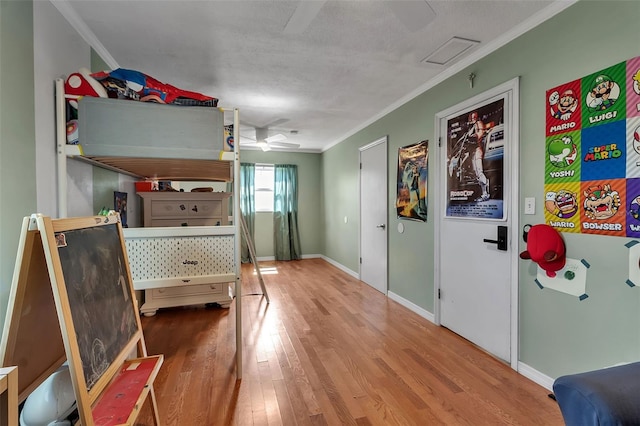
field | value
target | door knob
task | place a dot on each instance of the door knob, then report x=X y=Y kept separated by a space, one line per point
x=502 y=238
x=381 y=226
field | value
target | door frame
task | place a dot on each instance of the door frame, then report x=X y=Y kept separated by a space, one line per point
x=381 y=140
x=511 y=89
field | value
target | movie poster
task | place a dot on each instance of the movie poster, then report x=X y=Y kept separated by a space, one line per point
x=592 y=155
x=475 y=162
x=120 y=206
x=411 y=200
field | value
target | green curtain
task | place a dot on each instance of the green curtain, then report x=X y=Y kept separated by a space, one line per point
x=285 y=212
x=247 y=205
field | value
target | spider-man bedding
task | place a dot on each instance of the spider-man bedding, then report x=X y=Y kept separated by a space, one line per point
x=133 y=85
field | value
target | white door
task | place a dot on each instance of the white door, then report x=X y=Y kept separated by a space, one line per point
x=373 y=214
x=476 y=278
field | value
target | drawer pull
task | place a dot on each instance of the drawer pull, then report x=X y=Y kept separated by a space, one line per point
x=182 y=207
x=186 y=281
x=195 y=208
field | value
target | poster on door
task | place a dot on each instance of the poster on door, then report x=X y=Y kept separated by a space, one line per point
x=592 y=155
x=475 y=162
x=411 y=199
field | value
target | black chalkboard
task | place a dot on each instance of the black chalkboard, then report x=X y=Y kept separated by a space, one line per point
x=99 y=291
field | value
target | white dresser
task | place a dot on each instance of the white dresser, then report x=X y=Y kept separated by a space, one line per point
x=187 y=258
x=162 y=208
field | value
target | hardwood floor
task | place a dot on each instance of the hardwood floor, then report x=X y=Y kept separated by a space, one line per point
x=329 y=350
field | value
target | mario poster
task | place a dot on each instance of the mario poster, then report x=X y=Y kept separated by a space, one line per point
x=562 y=206
x=592 y=155
x=563 y=105
x=633 y=208
x=562 y=160
x=633 y=87
x=603 y=96
x=603 y=210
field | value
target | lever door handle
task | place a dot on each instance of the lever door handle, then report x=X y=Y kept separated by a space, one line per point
x=502 y=239
x=381 y=226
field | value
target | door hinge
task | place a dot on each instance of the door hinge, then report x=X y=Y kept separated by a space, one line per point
x=360 y=166
x=360 y=260
x=439 y=142
x=438 y=294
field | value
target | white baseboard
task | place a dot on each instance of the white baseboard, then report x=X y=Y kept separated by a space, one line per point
x=535 y=376
x=304 y=256
x=411 y=306
x=265 y=258
x=341 y=267
x=311 y=256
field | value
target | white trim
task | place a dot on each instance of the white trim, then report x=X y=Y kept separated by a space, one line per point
x=411 y=306
x=515 y=222
x=535 y=20
x=535 y=376
x=311 y=256
x=273 y=258
x=265 y=258
x=374 y=143
x=341 y=267
x=511 y=92
x=69 y=13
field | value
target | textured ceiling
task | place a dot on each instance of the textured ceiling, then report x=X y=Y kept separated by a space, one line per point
x=350 y=63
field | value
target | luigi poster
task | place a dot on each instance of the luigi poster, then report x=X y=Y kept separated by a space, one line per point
x=592 y=156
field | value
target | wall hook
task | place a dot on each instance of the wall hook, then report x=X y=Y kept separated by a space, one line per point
x=471 y=77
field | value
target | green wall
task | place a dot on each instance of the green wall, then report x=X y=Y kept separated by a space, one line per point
x=17 y=134
x=310 y=218
x=558 y=333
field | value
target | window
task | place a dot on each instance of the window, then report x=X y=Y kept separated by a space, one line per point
x=264 y=179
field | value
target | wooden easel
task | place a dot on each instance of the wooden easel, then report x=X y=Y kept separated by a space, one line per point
x=47 y=322
x=252 y=255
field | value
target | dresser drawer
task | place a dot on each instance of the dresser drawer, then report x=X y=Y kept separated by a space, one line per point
x=209 y=221
x=169 y=222
x=189 y=290
x=169 y=208
x=185 y=208
x=205 y=208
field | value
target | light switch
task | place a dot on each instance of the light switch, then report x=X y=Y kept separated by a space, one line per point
x=530 y=205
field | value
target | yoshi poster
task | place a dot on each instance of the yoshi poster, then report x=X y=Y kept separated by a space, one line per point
x=592 y=153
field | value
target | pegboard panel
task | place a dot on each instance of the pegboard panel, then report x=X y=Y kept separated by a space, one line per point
x=168 y=257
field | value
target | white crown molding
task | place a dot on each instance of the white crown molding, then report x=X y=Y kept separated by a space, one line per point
x=87 y=35
x=535 y=20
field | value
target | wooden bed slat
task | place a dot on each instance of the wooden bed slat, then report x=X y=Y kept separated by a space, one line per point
x=168 y=168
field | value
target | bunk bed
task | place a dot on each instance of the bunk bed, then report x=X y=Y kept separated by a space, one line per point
x=162 y=142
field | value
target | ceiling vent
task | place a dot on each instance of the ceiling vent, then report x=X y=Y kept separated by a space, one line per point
x=449 y=51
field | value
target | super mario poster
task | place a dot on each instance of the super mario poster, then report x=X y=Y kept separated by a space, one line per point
x=592 y=155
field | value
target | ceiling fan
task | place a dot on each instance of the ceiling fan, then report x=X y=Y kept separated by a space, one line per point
x=264 y=141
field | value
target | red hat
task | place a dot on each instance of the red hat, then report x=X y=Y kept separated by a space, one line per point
x=545 y=247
